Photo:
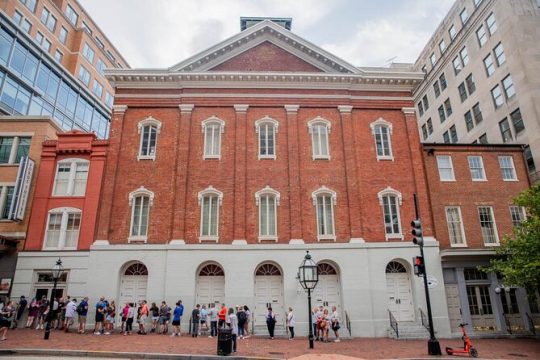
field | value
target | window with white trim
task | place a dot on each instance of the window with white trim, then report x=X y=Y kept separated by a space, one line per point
x=267 y=200
x=212 y=129
x=488 y=64
x=491 y=24
x=442 y=46
x=6 y=198
x=508 y=170
x=452 y=32
x=63 y=226
x=149 y=129
x=391 y=200
x=140 y=201
x=382 y=132
x=488 y=226
x=72 y=15
x=456 y=233
x=464 y=16
x=88 y=53
x=517 y=214
x=71 y=176
x=481 y=35
x=324 y=200
x=499 y=54
x=319 y=129
x=476 y=166
x=12 y=148
x=446 y=169
x=210 y=200
x=266 y=129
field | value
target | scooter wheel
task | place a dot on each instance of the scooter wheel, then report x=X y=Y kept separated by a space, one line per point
x=449 y=351
x=473 y=352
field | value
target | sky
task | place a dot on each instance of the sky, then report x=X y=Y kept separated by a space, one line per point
x=161 y=33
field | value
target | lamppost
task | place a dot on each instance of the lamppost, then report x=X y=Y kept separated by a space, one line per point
x=308 y=275
x=56 y=273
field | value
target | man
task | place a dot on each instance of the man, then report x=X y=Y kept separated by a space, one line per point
x=100 y=315
x=213 y=314
x=142 y=319
x=20 y=309
x=164 y=315
x=195 y=318
x=82 y=311
x=71 y=308
x=222 y=315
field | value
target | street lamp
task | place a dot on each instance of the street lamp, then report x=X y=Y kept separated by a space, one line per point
x=57 y=270
x=308 y=275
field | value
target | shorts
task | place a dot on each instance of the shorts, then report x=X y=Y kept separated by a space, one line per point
x=142 y=319
x=82 y=318
x=155 y=318
x=5 y=323
x=99 y=317
x=176 y=322
x=163 y=320
x=110 y=318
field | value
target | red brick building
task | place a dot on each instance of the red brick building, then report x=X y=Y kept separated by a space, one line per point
x=471 y=188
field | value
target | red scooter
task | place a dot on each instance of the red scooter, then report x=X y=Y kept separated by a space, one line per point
x=468 y=349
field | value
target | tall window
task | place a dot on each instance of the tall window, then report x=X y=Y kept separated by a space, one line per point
x=452 y=32
x=517 y=214
x=267 y=128
x=63 y=227
x=210 y=200
x=30 y=4
x=324 y=200
x=140 y=201
x=12 y=148
x=517 y=121
x=382 y=132
x=149 y=129
x=506 y=133
x=97 y=89
x=71 y=176
x=390 y=200
x=469 y=123
x=446 y=170
x=319 y=129
x=508 y=171
x=508 y=86
x=464 y=16
x=84 y=75
x=481 y=35
x=499 y=54
x=267 y=200
x=487 y=225
x=448 y=107
x=476 y=166
x=88 y=53
x=442 y=46
x=6 y=197
x=497 y=96
x=488 y=64
x=212 y=129
x=456 y=233
x=63 y=35
x=477 y=113
x=436 y=88
x=72 y=15
x=48 y=19
x=491 y=24
x=442 y=80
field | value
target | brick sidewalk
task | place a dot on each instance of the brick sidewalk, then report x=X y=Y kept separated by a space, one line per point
x=379 y=348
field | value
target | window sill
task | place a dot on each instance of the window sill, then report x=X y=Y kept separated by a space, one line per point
x=458 y=245
x=393 y=237
x=268 y=238
x=326 y=238
x=511 y=180
x=59 y=249
x=320 y=157
x=267 y=157
x=481 y=180
x=211 y=157
x=9 y=164
x=146 y=157
x=492 y=244
x=451 y=180
x=209 y=239
x=382 y=158
x=68 y=196
x=137 y=239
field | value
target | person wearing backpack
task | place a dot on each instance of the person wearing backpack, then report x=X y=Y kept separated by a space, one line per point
x=242 y=318
x=271 y=322
x=82 y=311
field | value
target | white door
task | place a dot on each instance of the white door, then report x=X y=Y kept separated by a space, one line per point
x=399 y=296
x=454 y=307
x=327 y=292
x=133 y=289
x=268 y=292
x=210 y=289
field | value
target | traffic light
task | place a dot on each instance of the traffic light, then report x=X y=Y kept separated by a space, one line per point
x=417 y=232
x=419 y=267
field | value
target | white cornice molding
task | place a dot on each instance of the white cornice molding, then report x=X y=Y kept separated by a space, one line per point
x=186 y=108
x=241 y=108
x=119 y=109
x=291 y=108
x=345 y=109
x=408 y=111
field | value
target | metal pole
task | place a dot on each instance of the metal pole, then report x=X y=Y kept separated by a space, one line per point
x=49 y=315
x=434 y=348
x=310 y=323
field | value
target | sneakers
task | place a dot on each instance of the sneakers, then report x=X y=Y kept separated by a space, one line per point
x=210 y=336
x=97 y=333
x=107 y=333
x=337 y=340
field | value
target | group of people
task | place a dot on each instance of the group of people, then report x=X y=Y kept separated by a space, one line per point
x=323 y=321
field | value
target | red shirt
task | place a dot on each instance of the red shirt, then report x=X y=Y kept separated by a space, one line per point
x=222 y=313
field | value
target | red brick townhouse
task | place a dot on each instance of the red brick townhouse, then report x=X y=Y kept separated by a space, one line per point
x=223 y=169
x=471 y=188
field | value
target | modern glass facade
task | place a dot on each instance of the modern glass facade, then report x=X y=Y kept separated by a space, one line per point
x=32 y=83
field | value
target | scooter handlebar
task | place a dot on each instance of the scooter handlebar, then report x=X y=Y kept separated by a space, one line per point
x=463 y=324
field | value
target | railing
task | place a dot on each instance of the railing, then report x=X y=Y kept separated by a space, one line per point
x=393 y=323
x=423 y=319
x=508 y=324
x=532 y=328
x=348 y=322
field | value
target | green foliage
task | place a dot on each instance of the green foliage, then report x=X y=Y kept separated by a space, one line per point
x=518 y=257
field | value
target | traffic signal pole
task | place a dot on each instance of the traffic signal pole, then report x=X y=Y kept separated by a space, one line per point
x=434 y=348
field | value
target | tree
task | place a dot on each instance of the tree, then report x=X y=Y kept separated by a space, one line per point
x=518 y=257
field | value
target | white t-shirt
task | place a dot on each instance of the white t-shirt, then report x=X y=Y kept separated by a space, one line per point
x=213 y=313
x=232 y=320
x=71 y=307
x=290 y=319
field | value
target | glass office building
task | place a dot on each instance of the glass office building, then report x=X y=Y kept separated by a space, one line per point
x=32 y=83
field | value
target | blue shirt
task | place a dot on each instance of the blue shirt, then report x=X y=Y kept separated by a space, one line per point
x=178 y=312
x=84 y=307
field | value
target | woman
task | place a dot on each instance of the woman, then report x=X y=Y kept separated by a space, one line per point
x=271 y=322
x=42 y=312
x=248 y=319
x=232 y=321
x=290 y=323
x=125 y=312
x=6 y=315
x=325 y=325
x=154 y=310
x=335 y=323
x=129 y=320
x=241 y=316
x=111 y=313
x=32 y=312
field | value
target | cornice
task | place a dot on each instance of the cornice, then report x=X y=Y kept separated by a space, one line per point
x=186 y=108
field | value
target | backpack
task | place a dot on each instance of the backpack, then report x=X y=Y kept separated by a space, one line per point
x=79 y=309
x=242 y=316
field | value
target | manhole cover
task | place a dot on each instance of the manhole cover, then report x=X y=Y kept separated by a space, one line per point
x=519 y=355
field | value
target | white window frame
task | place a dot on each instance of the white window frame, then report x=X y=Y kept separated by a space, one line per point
x=495 y=232
x=149 y=121
x=514 y=177
x=324 y=191
x=442 y=46
x=389 y=191
x=205 y=126
x=319 y=121
x=461 y=227
x=73 y=162
x=266 y=121
x=65 y=211
x=519 y=210
x=481 y=35
x=3 y=198
x=209 y=191
x=377 y=124
x=88 y=53
x=453 y=178
x=142 y=191
x=268 y=191
x=482 y=168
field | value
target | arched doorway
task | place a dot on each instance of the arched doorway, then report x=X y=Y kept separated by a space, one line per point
x=210 y=285
x=268 y=292
x=398 y=288
x=133 y=284
x=327 y=292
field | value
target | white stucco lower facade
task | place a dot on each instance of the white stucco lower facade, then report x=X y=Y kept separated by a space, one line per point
x=173 y=273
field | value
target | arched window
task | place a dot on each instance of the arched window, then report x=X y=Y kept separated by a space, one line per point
x=382 y=132
x=395 y=267
x=149 y=129
x=212 y=129
x=63 y=225
x=326 y=269
x=140 y=201
x=267 y=200
x=212 y=270
x=268 y=270
x=210 y=200
x=319 y=129
x=390 y=200
x=324 y=200
x=71 y=176
x=267 y=128
x=136 y=269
